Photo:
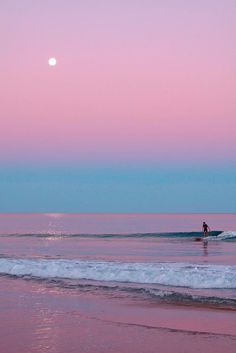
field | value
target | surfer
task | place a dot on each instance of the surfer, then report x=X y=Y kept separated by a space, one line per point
x=205 y=229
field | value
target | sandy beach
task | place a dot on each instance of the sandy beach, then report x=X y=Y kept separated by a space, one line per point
x=37 y=318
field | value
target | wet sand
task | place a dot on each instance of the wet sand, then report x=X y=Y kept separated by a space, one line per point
x=37 y=317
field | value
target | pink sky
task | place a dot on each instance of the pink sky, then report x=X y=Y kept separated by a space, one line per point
x=141 y=81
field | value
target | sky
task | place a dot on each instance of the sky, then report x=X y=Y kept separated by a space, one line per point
x=138 y=115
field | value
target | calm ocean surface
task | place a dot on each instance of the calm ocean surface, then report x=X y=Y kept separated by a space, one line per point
x=152 y=256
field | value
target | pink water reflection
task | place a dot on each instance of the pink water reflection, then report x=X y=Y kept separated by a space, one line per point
x=39 y=319
x=112 y=223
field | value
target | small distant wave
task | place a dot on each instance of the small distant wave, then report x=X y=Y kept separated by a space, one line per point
x=168 y=274
x=131 y=235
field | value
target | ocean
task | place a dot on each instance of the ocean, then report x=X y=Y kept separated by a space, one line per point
x=143 y=270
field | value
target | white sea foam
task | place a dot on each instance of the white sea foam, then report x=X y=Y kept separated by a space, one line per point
x=227 y=235
x=170 y=274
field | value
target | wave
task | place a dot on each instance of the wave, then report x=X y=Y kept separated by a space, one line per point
x=213 y=234
x=187 y=298
x=225 y=235
x=169 y=296
x=168 y=274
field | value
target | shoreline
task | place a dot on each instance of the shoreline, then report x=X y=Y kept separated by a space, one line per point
x=37 y=317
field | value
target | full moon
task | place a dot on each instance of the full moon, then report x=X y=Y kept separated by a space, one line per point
x=52 y=62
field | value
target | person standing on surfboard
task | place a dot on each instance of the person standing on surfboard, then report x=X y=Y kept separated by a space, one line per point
x=205 y=229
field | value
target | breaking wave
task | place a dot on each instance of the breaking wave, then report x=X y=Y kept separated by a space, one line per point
x=187 y=275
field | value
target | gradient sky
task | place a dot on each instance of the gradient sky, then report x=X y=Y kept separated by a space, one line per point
x=139 y=114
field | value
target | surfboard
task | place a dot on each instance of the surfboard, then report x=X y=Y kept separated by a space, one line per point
x=201 y=239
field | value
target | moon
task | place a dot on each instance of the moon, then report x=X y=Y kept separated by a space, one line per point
x=52 y=62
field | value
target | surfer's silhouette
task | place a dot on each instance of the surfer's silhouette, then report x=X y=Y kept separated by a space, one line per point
x=205 y=229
